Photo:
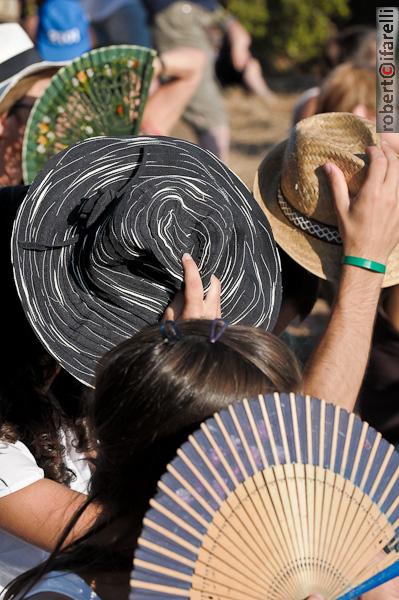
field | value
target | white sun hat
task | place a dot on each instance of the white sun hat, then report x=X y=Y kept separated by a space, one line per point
x=20 y=64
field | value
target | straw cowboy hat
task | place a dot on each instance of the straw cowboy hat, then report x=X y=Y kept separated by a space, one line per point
x=293 y=190
x=98 y=241
x=20 y=65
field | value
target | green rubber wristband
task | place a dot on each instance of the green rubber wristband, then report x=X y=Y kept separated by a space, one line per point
x=364 y=263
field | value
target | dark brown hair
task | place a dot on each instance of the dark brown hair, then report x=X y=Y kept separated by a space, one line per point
x=150 y=394
x=29 y=411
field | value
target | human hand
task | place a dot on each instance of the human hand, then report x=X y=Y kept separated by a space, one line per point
x=387 y=591
x=190 y=303
x=369 y=223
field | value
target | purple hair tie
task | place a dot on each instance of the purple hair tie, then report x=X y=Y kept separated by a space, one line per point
x=218 y=327
x=170 y=332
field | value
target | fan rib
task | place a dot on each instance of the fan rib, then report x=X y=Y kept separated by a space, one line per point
x=172 y=517
x=388 y=488
x=198 y=497
x=295 y=422
x=255 y=433
x=335 y=434
x=360 y=449
x=381 y=471
x=157 y=549
x=167 y=534
x=266 y=422
x=161 y=589
x=370 y=461
x=180 y=503
x=243 y=439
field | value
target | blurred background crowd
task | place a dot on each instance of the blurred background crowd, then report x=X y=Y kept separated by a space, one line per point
x=232 y=76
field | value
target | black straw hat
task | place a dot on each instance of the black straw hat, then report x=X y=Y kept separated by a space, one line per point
x=98 y=241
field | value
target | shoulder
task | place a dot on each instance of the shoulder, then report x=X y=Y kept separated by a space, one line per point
x=18 y=468
x=61 y=585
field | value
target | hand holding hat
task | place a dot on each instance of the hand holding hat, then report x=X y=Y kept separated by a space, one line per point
x=369 y=222
x=294 y=190
x=191 y=303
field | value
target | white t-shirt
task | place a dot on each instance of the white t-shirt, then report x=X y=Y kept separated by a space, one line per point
x=18 y=469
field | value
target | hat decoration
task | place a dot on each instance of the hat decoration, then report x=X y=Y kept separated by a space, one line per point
x=273 y=498
x=98 y=242
x=103 y=92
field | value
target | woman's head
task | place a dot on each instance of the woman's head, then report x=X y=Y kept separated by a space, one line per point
x=349 y=88
x=151 y=392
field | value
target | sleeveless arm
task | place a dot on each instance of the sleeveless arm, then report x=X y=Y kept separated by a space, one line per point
x=39 y=512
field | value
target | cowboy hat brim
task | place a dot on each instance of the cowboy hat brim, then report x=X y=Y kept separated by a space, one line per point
x=321 y=258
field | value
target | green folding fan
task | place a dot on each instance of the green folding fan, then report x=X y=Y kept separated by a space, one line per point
x=103 y=92
x=274 y=498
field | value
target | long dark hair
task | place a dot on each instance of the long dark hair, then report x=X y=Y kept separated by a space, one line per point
x=30 y=411
x=150 y=394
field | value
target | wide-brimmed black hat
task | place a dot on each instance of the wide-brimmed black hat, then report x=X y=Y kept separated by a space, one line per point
x=98 y=242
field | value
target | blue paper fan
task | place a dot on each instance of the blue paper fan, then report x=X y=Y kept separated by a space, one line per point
x=273 y=498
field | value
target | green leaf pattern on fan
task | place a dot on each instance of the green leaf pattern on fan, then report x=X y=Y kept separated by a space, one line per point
x=103 y=92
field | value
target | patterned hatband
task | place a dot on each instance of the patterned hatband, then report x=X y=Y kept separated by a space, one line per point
x=321 y=231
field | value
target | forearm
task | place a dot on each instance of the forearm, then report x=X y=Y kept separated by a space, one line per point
x=39 y=513
x=184 y=62
x=167 y=103
x=335 y=371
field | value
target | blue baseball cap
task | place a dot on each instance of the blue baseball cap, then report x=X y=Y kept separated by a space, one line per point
x=63 y=32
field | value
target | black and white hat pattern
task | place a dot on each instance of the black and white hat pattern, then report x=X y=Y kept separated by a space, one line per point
x=98 y=242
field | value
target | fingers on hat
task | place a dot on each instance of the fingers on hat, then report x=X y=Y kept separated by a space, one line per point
x=193 y=289
x=212 y=307
x=175 y=308
x=339 y=187
x=392 y=173
x=378 y=166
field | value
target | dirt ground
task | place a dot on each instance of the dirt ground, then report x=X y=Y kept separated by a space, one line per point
x=255 y=128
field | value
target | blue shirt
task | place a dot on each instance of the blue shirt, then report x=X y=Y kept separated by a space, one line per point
x=62 y=582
